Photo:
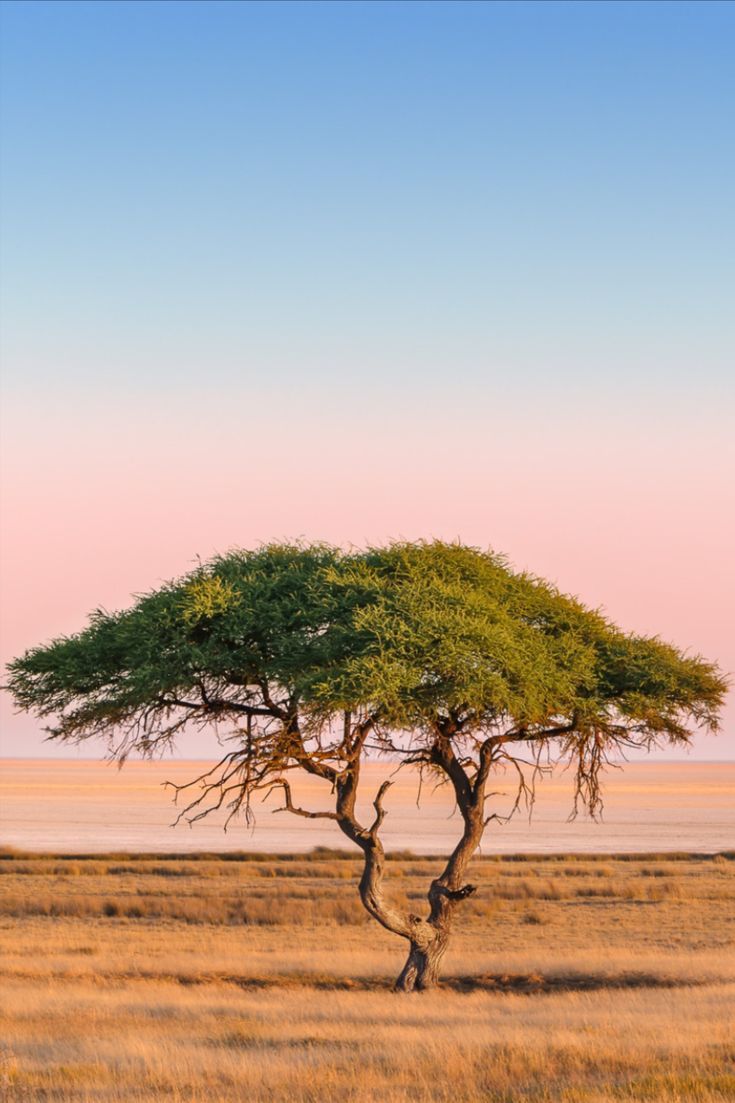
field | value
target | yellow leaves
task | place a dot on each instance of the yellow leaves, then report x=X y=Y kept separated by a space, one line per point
x=207 y=597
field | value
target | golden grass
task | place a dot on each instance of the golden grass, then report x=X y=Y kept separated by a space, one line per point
x=579 y=980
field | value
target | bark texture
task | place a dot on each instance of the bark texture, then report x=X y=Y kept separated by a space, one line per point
x=427 y=937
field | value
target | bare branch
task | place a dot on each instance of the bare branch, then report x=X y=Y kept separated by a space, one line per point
x=379 y=810
x=289 y=806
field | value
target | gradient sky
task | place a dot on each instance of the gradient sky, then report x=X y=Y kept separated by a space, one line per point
x=358 y=271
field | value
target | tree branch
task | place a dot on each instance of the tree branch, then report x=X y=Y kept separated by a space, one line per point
x=520 y=735
x=456 y=894
x=277 y=710
x=379 y=810
x=289 y=806
x=215 y=704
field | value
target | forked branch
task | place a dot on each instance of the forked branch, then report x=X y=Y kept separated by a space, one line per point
x=289 y=806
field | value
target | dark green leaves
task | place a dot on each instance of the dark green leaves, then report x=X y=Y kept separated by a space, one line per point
x=411 y=633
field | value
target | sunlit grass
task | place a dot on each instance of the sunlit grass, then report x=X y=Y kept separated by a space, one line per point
x=581 y=980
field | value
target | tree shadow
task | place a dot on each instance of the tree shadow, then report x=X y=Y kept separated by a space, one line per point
x=530 y=984
x=538 y=983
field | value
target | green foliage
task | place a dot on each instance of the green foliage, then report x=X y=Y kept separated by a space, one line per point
x=453 y=630
x=411 y=635
x=245 y=619
x=208 y=597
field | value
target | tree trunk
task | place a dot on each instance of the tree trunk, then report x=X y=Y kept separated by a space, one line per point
x=421 y=970
x=427 y=938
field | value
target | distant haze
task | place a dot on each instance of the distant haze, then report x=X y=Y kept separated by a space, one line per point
x=79 y=807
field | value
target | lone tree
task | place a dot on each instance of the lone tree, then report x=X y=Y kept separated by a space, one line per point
x=436 y=654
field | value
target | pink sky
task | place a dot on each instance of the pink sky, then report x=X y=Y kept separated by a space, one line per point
x=103 y=500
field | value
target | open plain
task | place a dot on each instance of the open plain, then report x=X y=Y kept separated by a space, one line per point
x=253 y=977
x=86 y=806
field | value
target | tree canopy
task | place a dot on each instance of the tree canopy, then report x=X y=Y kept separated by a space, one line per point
x=311 y=658
x=409 y=635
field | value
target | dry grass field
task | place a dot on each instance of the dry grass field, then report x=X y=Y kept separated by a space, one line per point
x=224 y=978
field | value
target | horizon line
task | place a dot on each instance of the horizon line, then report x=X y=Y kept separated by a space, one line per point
x=208 y=758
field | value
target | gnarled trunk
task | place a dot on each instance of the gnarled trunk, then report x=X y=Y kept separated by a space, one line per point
x=421 y=970
x=428 y=938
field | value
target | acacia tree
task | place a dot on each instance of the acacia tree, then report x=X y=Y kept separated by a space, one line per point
x=438 y=655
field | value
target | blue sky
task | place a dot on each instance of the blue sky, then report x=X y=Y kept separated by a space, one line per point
x=538 y=192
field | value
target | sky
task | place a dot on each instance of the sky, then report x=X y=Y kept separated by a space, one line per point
x=361 y=271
